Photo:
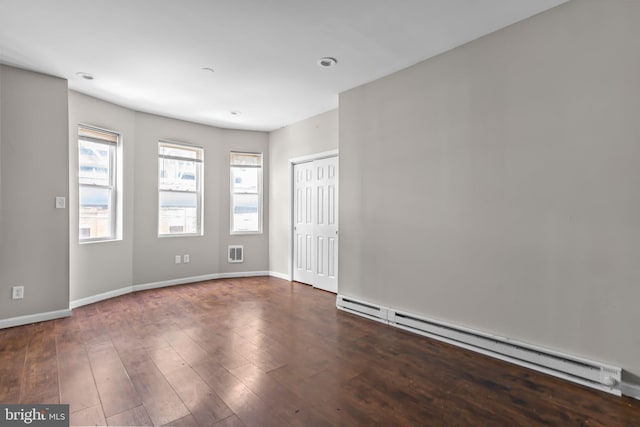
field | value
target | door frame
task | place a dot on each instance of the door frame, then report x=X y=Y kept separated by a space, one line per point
x=292 y=162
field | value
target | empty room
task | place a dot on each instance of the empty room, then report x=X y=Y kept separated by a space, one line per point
x=304 y=213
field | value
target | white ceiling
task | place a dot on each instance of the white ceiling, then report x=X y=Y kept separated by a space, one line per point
x=148 y=55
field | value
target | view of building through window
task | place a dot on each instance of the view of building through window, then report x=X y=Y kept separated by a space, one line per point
x=246 y=192
x=97 y=184
x=180 y=189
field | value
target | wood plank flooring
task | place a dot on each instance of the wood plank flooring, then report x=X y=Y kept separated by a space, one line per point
x=266 y=352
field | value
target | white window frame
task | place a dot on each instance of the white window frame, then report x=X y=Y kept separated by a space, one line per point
x=259 y=193
x=112 y=186
x=199 y=184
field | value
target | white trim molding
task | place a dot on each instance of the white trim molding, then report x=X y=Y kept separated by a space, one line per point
x=280 y=275
x=162 y=284
x=194 y=279
x=41 y=317
x=99 y=297
x=243 y=274
x=631 y=390
x=315 y=156
x=173 y=282
x=34 y=318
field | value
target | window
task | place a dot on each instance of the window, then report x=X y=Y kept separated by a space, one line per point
x=97 y=152
x=179 y=189
x=246 y=193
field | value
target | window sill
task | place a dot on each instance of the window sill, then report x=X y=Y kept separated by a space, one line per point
x=108 y=240
x=162 y=236
x=245 y=233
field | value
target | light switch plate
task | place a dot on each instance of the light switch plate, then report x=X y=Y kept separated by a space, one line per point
x=60 y=202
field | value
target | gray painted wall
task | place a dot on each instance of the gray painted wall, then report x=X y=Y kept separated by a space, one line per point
x=34 y=169
x=496 y=185
x=153 y=257
x=314 y=135
x=141 y=257
x=101 y=267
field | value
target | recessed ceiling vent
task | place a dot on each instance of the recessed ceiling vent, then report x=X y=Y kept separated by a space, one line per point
x=236 y=254
x=327 y=62
x=85 y=76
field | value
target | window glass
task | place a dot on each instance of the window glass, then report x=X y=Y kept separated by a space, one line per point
x=246 y=193
x=97 y=150
x=245 y=180
x=179 y=189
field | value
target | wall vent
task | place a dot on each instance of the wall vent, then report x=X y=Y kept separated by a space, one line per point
x=578 y=370
x=236 y=253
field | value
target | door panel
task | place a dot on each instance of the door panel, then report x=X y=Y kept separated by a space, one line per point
x=326 y=227
x=315 y=228
x=303 y=224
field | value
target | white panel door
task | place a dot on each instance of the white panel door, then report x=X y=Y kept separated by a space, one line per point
x=315 y=228
x=303 y=223
x=326 y=224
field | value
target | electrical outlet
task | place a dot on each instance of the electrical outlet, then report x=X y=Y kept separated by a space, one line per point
x=60 y=202
x=185 y=258
x=178 y=259
x=17 y=292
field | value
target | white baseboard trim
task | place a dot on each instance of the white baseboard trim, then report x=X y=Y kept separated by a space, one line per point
x=193 y=279
x=99 y=297
x=242 y=274
x=631 y=390
x=34 y=318
x=41 y=317
x=280 y=275
x=163 y=284
x=173 y=282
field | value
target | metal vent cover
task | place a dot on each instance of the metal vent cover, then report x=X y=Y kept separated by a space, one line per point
x=236 y=253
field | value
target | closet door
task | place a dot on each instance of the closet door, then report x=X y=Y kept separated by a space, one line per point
x=303 y=223
x=325 y=232
x=315 y=228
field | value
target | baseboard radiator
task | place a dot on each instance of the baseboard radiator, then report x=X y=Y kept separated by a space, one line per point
x=364 y=309
x=586 y=372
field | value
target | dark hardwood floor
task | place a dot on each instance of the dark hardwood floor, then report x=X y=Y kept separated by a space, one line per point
x=266 y=352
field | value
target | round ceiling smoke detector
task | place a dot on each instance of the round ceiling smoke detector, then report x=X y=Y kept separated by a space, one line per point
x=327 y=62
x=85 y=76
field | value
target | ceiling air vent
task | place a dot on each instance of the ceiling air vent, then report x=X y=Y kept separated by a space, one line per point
x=236 y=253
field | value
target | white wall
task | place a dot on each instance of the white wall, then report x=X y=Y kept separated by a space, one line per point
x=101 y=267
x=34 y=169
x=496 y=186
x=314 y=135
